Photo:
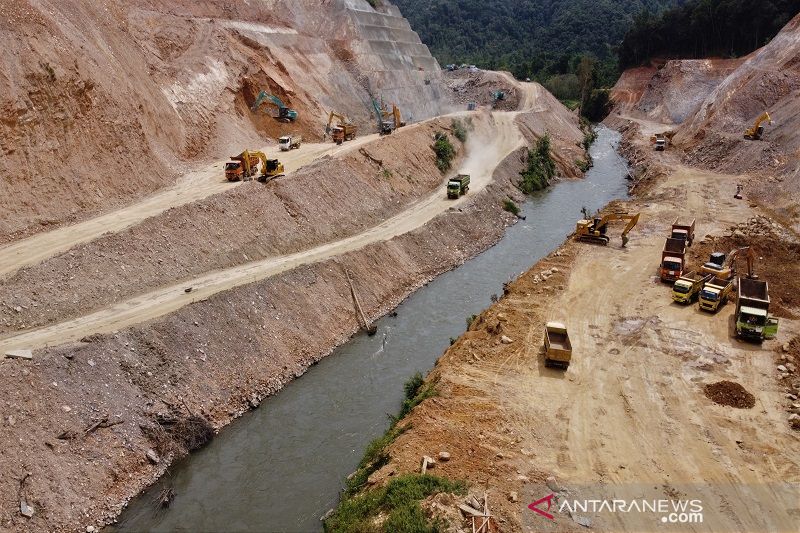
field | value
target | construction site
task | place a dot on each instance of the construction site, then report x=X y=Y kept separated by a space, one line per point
x=231 y=233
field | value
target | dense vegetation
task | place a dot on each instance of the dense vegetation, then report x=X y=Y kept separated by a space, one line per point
x=541 y=167
x=703 y=28
x=444 y=150
x=535 y=39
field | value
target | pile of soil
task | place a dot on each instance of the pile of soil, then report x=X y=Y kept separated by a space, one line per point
x=731 y=394
x=776 y=261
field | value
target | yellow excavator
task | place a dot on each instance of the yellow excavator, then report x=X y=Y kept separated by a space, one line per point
x=594 y=231
x=755 y=133
x=390 y=120
x=395 y=114
x=244 y=166
x=725 y=267
x=344 y=130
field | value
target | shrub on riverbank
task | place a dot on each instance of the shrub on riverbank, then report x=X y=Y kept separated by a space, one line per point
x=541 y=167
x=399 y=500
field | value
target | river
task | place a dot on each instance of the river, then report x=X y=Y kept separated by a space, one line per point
x=281 y=466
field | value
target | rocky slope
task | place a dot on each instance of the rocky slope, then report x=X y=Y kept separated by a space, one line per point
x=105 y=102
x=715 y=101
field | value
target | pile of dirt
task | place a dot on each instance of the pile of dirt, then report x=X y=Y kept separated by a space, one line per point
x=729 y=393
x=478 y=87
x=776 y=259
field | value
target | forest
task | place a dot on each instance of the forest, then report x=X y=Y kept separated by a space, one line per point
x=705 y=28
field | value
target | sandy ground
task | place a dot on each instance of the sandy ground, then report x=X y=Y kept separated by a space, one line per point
x=629 y=418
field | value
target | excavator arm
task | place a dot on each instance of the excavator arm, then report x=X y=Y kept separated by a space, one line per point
x=754 y=133
x=595 y=231
x=334 y=115
x=632 y=221
x=750 y=256
x=398 y=119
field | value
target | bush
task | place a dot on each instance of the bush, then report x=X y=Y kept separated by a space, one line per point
x=510 y=206
x=541 y=167
x=583 y=165
x=598 y=105
x=459 y=130
x=589 y=136
x=375 y=457
x=564 y=86
x=398 y=501
x=444 y=151
x=470 y=320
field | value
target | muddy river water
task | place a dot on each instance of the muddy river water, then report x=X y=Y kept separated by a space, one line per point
x=280 y=467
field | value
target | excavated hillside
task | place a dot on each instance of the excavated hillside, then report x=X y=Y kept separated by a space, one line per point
x=104 y=102
x=672 y=92
x=710 y=103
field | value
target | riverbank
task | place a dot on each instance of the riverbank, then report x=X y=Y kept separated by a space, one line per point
x=215 y=359
x=629 y=418
x=310 y=436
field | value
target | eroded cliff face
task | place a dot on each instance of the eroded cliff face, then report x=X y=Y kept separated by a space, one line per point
x=105 y=102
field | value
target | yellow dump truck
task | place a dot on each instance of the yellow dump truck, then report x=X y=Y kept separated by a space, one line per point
x=688 y=286
x=557 y=346
x=715 y=293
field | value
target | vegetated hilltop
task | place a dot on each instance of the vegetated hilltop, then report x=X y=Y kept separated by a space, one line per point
x=705 y=28
x=104 y=102
x=530 y=38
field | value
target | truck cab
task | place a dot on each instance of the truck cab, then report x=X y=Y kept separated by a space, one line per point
x=755 y=323
x=661 y=144
x=714 y=294
x=285 y=143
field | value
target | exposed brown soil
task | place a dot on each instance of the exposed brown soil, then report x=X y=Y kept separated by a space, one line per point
x=776 y=262
x=730 y=394
x=324 y=202
x=106 y=103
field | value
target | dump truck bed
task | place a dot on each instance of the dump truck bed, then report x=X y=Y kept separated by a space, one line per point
x=558 y=348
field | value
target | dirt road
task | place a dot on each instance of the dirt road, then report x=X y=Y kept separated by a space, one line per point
x=494 y=138
x=629 y=419
x=192 y=187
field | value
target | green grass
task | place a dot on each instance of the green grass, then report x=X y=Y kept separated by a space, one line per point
x=572 y=105
x=399 y=501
